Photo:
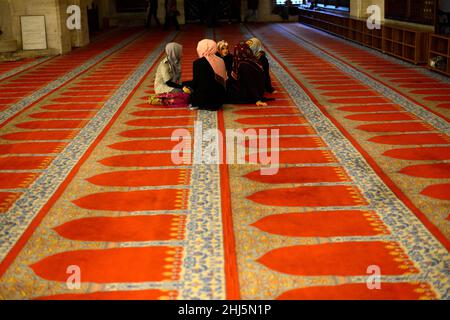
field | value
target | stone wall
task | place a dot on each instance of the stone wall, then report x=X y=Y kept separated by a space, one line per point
x=5 y=20
x=358 y=8
x=58 y=38
x=80 y=38
x=7 y=42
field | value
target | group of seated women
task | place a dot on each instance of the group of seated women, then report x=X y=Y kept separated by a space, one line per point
x=219 y=77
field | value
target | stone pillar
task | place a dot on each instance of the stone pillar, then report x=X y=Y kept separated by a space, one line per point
x=162 y=11
x=104 y=11
x=5 y=20
x=63 y=32
x=264 y=10
x=80 y=38
x=58 y=38
x=7 y=42
x=182 y=17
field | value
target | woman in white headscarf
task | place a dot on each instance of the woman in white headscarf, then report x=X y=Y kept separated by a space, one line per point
x=168 y=74
x=257 y=49
x=210 y=76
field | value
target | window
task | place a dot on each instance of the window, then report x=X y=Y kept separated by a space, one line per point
x=334 y=3
x=331 y=4
x=294 y=2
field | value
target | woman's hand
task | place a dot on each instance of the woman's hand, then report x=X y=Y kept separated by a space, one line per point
x=187 y=90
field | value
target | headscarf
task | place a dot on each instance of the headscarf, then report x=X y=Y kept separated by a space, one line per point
x=243 y=54
x=220 y=45
x=173 y=52
x=256 y=47
x=208 y=48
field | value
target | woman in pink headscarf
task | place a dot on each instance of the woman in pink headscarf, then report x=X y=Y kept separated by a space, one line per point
x=210 y=76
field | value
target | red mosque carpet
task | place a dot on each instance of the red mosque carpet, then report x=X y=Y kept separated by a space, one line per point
x=30 y=80
x=14 y=67
x=88 y=180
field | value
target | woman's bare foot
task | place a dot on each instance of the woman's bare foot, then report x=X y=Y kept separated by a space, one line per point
x=261 y=104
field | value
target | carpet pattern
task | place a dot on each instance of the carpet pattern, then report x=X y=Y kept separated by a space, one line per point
x=23 y=90
x=88 y=180
x=428 y=89
x=282 y=248
x=122 y=214
x=9 y=69
x=48 y=132
x=46 y=164
x=393 y=134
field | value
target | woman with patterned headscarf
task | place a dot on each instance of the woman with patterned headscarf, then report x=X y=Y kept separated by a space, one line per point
x=247 y=83
x=257 y=49
x=209 y=77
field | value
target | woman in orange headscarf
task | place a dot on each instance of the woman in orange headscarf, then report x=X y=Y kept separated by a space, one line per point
x=210 y=76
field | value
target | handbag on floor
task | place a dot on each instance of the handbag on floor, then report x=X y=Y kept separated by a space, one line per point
x=176 y=99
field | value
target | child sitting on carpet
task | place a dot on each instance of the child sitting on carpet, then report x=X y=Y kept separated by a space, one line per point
x=223 y=51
